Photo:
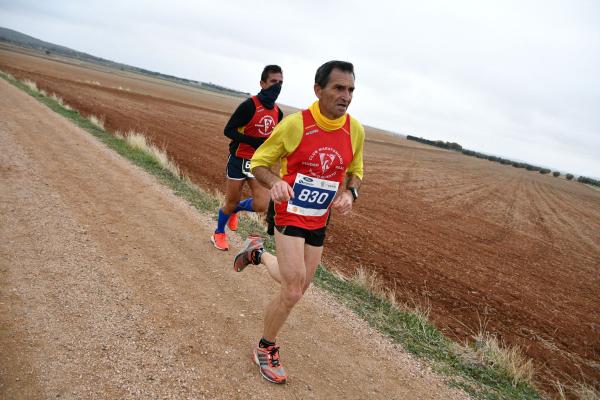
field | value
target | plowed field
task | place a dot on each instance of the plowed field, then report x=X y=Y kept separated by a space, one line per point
x=486 y=246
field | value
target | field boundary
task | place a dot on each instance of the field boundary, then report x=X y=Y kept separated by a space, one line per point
x=462 y=367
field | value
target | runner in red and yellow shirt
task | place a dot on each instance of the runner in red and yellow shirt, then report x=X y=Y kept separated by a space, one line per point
x=249 y=126
x=320 y=150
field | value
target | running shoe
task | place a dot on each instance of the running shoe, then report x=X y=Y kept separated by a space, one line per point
x=232 y=223
x=220 y=241
x=268 y=363
x=250 y=253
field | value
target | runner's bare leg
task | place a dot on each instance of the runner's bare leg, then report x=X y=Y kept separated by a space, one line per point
x=270 y=262
x=290 y=257
x=233 y=195
x=260 y=196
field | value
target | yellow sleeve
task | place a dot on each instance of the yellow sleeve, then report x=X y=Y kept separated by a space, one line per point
x=357 y=137
x=283 y=141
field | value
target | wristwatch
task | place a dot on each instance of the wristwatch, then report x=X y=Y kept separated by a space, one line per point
x=354 y=192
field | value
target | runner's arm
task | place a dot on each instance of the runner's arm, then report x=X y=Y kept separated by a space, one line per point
x=283 y=140
x=280 y=189
x=344 y=201
x=240 y=117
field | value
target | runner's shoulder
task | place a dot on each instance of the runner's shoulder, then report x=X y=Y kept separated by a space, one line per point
x=291 y=121
x=357 y=130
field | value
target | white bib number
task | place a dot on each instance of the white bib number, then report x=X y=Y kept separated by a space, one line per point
x=246 y=168
x=312 y=196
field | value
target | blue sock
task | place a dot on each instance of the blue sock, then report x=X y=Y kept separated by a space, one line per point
x=222 y=221
x=245 y=205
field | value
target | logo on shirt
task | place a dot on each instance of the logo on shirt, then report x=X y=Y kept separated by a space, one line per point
x=265 y=125
x=325 y=162
x=327 y=159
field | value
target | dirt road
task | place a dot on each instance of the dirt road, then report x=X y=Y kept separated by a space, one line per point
x=109 y=288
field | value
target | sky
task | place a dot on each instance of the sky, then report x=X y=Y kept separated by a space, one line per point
x=518 y=79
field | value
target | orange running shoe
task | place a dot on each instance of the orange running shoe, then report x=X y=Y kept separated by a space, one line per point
x=220 y=241
x=268 y=363
x=250 y=253
x=232 y=223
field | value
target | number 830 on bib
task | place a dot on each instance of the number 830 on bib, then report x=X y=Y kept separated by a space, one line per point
x=312 y=196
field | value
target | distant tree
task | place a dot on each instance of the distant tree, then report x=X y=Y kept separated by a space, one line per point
x=47 y=52
x=588 y=181
x=556 y=173
x=569 y=176
x=455 y=146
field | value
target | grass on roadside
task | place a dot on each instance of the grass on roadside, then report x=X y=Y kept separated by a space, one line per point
x=483 y=376
x=138 y=141
x=98 y=121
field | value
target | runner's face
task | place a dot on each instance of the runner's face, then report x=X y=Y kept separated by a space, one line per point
x=336 y=96
x=272 y=78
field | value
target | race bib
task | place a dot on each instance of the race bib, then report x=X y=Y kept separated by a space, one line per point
x=312 y=196
x=246 y=168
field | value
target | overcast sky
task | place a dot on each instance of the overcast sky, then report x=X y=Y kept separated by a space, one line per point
x=519 y=79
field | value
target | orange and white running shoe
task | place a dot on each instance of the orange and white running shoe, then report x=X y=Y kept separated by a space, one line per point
x=232 y=222
x=250 y=253
x=220 y=241
x=268 y=363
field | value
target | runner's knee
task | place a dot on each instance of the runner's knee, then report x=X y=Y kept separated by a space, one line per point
x=230 y=205
x=291 y=296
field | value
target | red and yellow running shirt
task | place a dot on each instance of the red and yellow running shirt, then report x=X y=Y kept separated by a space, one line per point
x=316 y=154
x=261 y=125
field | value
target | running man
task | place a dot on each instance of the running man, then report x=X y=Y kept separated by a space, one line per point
x=249 y=126
x=320 y=150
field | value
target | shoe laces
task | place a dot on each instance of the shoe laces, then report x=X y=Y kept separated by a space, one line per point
x=274 y=355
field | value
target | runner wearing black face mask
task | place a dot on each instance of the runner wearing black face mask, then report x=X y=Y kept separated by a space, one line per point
x=249 y=126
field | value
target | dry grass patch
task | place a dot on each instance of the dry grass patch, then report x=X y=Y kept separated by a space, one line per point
x=491 y=351
x=7 y=75
x=138 y=141
x=60 y=101
x=585 y=392
x=372 y=282
x=30 y=84
x=219 y=196
x=97 y=121
x=579 y=391
x=119 y=135
x=369 y=280
x=258 y=218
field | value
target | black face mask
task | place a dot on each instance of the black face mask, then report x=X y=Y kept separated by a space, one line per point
x=268 y=96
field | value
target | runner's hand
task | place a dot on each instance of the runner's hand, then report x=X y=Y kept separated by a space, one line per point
x=343 y=203
x=281 y=191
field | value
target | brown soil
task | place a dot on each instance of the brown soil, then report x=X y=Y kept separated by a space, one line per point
x=109 y=289
x=488 y=247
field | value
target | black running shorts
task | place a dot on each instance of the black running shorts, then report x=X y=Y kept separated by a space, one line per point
x=238 y=168
x=315 y=237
